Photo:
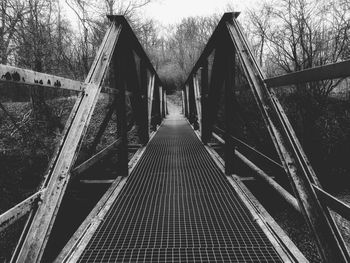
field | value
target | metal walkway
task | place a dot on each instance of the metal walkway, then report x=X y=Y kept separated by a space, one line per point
x=178 y=206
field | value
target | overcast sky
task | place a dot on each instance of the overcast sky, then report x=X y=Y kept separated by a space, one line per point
x=168 y=12
x=172 y=11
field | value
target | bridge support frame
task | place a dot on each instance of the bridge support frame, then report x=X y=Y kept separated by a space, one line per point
x=298 y=169
x=294 y=161
x=42 y=211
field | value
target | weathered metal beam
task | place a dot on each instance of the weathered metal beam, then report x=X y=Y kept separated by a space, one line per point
x=96 y=158
x=150 y=90
x=87 y=181
x=218 y=138
x=333 y=203
x=134 y=146
x=29 y=77
x=161 y=101
x=183 y=96
x=34 y=78
x=192 y=103
x=290 y=199
x=165 y=104
x=38 y=233
x=197 y=98
x=187 y=101
x=241 y=144
x=20 y=210
x=300 y=173
x=330 y=71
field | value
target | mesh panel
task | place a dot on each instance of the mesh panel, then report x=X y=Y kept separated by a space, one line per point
x=178 y=207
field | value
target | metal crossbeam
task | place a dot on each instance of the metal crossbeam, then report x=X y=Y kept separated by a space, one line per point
x=96 y=158
x=20 y=210
x=330 y=71
x=33 y=78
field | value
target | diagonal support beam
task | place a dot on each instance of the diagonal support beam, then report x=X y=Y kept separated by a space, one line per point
x=38 y=233
x=96 y=158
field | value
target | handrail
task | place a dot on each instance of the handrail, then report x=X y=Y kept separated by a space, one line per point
x=30 y=77
x=333 y=203
x=329 y=200
x=249 y=147
x=325 y=72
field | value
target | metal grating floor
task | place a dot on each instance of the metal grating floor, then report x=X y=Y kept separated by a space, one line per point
x=177 y=206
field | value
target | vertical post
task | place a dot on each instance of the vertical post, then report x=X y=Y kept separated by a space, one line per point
x=161 y=102
x=204 y=96
x=183 y=102
x=150 y=101
x=118 y=73
x=229 y=148
x=187 y=101
x=144 y=129
x=165 y=111
x=197 y=97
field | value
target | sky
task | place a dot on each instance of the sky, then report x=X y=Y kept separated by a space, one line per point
x=172 y=11
x=168 y=12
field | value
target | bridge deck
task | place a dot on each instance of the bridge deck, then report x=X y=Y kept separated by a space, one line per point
x=178 y=206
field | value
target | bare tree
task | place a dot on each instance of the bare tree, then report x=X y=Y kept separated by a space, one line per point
x=11 y=14
x=189 y=39
x=41 y=44
x=300 y=34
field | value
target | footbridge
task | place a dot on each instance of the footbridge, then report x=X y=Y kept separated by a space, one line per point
x=181 y=197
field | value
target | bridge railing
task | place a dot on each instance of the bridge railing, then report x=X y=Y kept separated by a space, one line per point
x=227 y=51
x=133 y=79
